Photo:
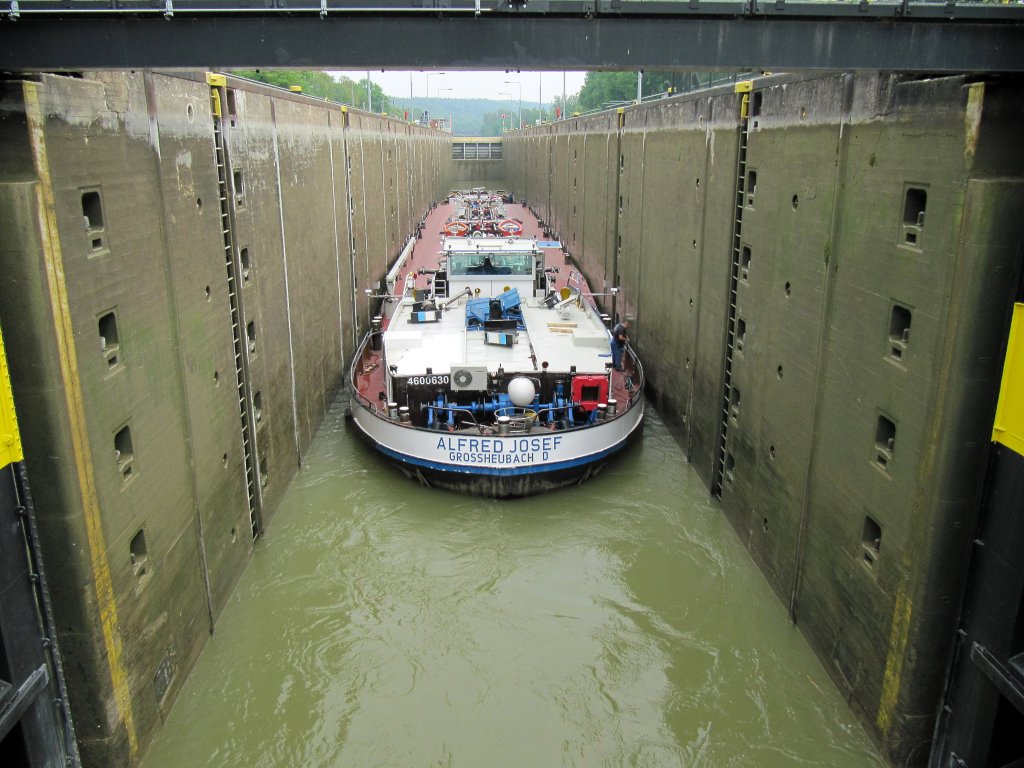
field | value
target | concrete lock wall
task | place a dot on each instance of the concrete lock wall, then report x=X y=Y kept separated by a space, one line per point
x=864 y=230
x=181 y=294
x=817 y=271
x=467 y=174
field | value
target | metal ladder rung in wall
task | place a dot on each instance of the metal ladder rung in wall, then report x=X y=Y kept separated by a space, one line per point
x=730 y=336
x=247 y=446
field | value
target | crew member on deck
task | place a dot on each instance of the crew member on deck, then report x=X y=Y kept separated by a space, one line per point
x=620 y=335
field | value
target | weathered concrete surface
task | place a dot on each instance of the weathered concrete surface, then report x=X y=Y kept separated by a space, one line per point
x=110 y=200
x=940 y=394
x=675 y=211
x=880 y=205
x=467 y=174
x=263 y=236
x=42 y=391
x=126 y=610
x=194 y=262
x=792 y=150
x=866 y=205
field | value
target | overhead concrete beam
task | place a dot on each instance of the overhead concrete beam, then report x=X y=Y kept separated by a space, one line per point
x=394 y=40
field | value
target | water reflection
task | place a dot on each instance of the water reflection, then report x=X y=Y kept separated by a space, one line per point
x=619 y=623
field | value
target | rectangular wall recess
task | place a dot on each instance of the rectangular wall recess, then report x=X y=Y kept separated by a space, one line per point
x=239 y=185
x=93 y=220
x=243 y=256
x=138 y=552
x=914 y=203
x=885 y=441
x=899 y=331
x=124 y=453
x=232 y=108
x=871 y=541
x=264 y=471
x=110 y=342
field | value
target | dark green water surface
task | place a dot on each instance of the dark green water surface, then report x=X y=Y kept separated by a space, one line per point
x=620 y=623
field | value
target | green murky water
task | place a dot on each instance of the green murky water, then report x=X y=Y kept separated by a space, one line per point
x=616 y=624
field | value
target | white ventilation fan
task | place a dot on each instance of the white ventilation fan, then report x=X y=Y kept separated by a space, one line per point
x=469 y=378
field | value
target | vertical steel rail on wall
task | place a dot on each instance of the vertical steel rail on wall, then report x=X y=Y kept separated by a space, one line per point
x=351 y=244
x=36 y=727
x=734 y=277
x=337 y=245
x=620 y=123
x=61 y=702
x=218 y=96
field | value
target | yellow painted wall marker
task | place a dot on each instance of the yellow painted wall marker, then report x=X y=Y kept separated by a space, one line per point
x=1008 y=428
x=899 y=633
x=10 y=439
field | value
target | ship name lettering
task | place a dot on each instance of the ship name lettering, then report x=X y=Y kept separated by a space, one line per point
x=497 y=445
x=496 y=450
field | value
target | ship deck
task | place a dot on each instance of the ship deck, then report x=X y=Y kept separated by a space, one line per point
x=581 y=340
x=427 y=252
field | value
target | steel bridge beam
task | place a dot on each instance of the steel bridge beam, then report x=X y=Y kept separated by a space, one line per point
x=929 y=42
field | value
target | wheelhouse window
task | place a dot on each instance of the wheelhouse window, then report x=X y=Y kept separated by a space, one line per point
x=490 y=264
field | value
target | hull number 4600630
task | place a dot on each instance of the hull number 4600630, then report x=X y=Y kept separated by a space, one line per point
x=429 y=380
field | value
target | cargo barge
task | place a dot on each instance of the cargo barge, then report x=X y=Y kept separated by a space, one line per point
x=489 y=369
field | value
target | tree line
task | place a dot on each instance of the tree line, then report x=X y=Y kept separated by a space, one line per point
x=604 y=90
x=601 y=90
x=322 y=85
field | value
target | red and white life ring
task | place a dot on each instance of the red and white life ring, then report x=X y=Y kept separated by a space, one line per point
x=510 y=227
x=456 y=228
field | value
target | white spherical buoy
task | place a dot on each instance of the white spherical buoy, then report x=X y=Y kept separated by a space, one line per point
x=521 y=391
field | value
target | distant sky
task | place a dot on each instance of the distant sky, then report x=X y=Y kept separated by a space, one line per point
x=536 y=86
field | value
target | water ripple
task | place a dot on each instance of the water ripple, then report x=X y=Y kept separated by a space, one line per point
x=616 y=624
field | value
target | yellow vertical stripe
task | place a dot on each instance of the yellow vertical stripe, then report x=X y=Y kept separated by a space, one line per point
x=1009 y=424
x=898 y=636
x=76 y=416
x=10 y=440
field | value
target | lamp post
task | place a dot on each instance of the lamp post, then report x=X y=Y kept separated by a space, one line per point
x=438 y=95
x=520 y=86
x=563 y=96
x=427 y=76
x=504 y=93
x=426 y=89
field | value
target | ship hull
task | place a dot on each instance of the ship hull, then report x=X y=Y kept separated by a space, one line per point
x=499 y=466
